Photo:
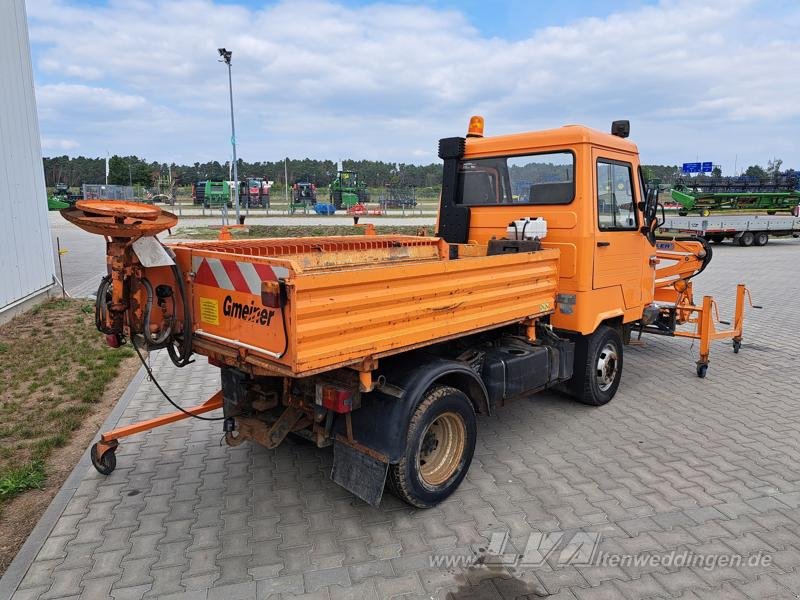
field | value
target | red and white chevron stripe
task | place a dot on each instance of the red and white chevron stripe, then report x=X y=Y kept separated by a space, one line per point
x=234 y=275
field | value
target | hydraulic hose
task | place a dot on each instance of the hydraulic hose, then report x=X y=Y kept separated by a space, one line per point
x=163 y=393
x=164 y=337
x=101 y=305
x=181 y=357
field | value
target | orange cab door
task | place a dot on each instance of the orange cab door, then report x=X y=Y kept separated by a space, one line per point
x=619 y=246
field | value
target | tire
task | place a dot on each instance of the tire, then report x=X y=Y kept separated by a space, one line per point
x=746 y=239
x=106 y=464
x=336 y=199
x=601 y=351
x=760 y=238
x=683 y=213
x=440 y=442
x=717 y=239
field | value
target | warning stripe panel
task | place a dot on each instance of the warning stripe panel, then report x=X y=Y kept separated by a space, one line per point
x=233 y=275
x=204 y=275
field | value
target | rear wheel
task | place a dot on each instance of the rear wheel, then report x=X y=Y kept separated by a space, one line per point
x=761 y=238
x=440 y=442
x=598 y=367
x=746 y=239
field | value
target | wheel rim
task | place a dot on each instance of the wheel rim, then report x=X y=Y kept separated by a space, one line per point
x=607 y=366
x=442 y=449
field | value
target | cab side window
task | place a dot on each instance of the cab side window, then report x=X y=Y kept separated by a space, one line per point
x=616 y=209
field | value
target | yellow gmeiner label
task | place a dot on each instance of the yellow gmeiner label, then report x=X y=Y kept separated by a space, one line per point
x=209 y=311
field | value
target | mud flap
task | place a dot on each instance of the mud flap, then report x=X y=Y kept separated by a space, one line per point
x=358 y=473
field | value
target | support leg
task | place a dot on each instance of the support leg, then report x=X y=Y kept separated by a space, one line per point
x=738 y=317
x=706 y=329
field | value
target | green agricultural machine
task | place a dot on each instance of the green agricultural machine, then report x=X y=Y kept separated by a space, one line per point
x=725 y=194
x=347 y=190
x=60 y=198
x=217 y=194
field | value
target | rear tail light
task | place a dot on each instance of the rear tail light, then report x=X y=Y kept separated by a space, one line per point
x=337 y=399
x=271 y=294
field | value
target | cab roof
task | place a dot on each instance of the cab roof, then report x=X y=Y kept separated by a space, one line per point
x=547 y=139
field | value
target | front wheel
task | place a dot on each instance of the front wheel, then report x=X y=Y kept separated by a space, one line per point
x=598 y=367
x=746 y=239
x=440 y=442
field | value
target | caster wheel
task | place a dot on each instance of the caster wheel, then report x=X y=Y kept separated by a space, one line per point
x=104 y=464
x=701 y=371
x=736 y=346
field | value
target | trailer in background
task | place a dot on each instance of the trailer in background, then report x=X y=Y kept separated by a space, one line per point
x=744 y=230
x=779 y=193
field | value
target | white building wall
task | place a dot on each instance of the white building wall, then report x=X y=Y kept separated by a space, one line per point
x=26 y=253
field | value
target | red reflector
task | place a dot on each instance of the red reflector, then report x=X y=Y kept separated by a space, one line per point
x=336 y=399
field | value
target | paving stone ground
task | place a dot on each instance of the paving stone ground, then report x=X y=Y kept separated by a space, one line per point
x=674 y=463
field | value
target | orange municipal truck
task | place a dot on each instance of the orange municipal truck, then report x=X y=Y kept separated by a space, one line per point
x=544 y=264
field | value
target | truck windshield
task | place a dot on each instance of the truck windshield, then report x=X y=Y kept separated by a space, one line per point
x=529 y=179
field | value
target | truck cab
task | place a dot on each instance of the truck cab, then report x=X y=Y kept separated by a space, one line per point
x=588 y=187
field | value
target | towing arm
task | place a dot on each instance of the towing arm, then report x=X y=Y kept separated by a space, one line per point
x=683 y=259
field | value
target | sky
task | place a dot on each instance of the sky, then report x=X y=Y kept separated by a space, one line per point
x=713 y=80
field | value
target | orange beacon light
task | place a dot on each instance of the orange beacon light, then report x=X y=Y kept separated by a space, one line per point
x=475 y=126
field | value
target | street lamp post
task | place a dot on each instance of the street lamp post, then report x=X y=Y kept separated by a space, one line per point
x=226 y=58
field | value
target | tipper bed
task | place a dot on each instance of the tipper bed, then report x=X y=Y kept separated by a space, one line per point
x=344 y=300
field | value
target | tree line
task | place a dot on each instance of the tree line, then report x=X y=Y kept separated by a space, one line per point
x=668 y=174
x=132 y=170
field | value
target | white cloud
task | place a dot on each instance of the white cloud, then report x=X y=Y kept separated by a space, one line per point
x=54 y=144
x=315 y=78
x=66 y=95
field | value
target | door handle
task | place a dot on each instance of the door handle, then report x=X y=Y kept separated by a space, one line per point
x=603 y=244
